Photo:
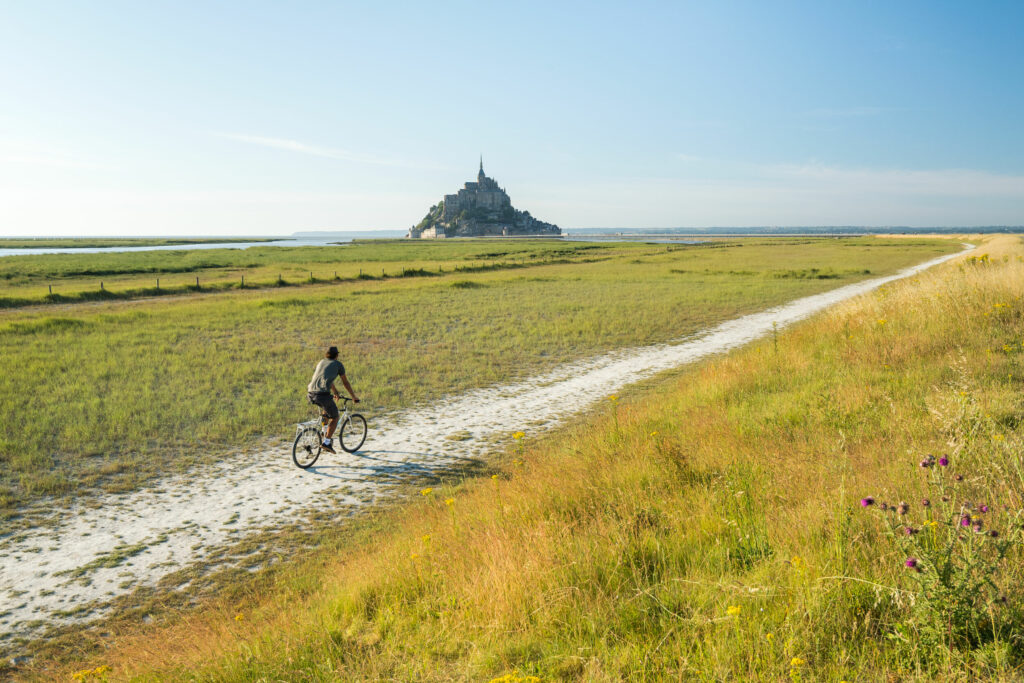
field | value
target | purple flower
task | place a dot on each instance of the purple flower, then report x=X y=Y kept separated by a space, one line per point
x=884 y=505
x=925 y=503
x=909 y=530
x=965 y=520
x=867 y=502
x=911 y=563
x=994 y=533
x=983 y=507
x=977 y=526
x=944 y=461
x=903 y=508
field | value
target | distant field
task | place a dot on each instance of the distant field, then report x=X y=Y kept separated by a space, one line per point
x=96 y=243
x=112 y=393
x=73 y=278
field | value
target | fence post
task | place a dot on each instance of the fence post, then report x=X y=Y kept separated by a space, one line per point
x=197 y=282
x=101 y=285
x=51 y=288
x=158 y=283
x=243 y=281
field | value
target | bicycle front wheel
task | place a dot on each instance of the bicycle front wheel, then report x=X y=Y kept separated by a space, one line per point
x=306 y=448
x=352 y=433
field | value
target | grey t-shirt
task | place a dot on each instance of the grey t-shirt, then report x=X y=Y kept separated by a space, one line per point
x=326 y=372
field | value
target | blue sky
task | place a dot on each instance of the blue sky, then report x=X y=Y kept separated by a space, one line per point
x=250 y=118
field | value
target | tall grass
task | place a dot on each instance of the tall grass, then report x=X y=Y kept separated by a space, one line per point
x=116 y=393
x=706 y=529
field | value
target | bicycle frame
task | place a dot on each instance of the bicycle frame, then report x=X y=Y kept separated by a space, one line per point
x=318 y=421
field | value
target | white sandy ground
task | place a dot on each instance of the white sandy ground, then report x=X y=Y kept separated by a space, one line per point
x=185 y=519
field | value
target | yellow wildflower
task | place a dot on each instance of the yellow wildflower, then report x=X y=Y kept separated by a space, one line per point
x=769 y=636
x=449 y=501
x=426 y=538
x=654 y=433
x=795 y=662
x=238 y=617
x=613 y=398
x=733 y=610
x=518 y=435
x=494 y=477
x=413 y=556
x=426 y=492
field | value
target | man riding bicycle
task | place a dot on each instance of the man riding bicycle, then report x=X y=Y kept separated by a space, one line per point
x=322 y=386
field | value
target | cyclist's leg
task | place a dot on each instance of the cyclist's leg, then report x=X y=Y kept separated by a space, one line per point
x=326 y=401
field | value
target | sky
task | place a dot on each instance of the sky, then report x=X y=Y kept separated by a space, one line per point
x=268 y=118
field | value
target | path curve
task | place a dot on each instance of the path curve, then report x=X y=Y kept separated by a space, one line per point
x=134 y=539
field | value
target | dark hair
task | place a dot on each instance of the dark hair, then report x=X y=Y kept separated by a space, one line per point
x=332 y=352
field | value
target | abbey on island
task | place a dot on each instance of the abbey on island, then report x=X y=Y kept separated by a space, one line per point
x=479 y=209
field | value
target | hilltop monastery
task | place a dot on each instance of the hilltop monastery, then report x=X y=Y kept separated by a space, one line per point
x=479 y=209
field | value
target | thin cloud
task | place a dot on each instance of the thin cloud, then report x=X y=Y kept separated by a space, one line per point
x=939 y=182
x=318 y=151
x=847 y=112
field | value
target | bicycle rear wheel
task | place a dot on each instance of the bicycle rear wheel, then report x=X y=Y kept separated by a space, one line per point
x=352 y=433
x=306 y=448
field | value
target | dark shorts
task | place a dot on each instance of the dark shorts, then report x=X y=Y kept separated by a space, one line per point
x=325 y=401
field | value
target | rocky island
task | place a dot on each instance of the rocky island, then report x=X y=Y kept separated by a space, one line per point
x=480 y=209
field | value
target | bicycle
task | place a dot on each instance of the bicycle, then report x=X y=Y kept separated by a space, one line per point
x=310 y=435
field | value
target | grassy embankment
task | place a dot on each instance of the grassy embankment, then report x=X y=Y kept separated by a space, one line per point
x=130 y=390
x=708 y=529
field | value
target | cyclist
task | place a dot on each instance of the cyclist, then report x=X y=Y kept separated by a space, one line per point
x=322 y=386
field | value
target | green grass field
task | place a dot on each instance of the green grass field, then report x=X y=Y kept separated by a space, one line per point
x=110 y=394
x=706 y=527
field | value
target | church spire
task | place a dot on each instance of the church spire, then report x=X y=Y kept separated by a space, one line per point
x=480 y=176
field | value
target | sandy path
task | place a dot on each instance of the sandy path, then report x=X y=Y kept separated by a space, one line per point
x=131 y=540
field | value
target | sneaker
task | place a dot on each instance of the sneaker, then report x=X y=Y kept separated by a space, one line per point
x=326 y=445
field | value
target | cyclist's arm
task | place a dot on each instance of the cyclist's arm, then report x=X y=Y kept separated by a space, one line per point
x=344 y=380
